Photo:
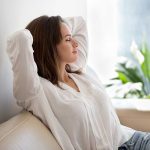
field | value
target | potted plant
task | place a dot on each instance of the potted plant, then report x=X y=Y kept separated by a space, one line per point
x=132 y=74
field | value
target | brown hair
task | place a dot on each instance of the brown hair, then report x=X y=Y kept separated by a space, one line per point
x=46 y=35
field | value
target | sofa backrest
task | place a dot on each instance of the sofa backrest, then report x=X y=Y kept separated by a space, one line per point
x=26 y=132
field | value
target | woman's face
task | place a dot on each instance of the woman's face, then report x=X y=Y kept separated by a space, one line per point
x=67 y=48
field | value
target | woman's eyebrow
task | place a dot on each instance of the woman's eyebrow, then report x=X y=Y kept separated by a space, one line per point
x=67 y=35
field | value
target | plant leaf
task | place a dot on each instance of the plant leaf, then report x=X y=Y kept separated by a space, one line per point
x=122 y=77
x=131 y=74
x=145 y=66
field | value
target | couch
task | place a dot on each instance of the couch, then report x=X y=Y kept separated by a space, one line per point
x=25 y=132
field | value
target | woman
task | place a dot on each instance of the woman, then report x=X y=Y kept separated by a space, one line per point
x=49 y=65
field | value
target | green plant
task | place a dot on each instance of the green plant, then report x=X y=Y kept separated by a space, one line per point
x=133 y=75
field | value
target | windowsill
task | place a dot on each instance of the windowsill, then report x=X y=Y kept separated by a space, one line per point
x=133 y=113
x=134 y=104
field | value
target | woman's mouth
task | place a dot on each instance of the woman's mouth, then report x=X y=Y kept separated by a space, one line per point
x=75 y=52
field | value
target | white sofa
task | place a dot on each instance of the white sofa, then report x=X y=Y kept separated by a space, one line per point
x=26 y=132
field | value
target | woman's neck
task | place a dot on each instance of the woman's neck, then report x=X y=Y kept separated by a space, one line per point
x=63 y=74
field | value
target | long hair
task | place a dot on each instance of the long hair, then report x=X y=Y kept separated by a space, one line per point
x=46 y=34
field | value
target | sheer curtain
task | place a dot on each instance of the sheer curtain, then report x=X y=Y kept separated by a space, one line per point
x=102 y=27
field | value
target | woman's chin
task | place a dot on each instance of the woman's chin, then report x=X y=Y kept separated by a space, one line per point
x=72 y=61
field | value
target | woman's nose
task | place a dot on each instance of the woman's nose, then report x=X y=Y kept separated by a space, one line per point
x=74 y=43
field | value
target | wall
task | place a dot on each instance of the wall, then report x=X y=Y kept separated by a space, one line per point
x=15 y=15
x=102 y=23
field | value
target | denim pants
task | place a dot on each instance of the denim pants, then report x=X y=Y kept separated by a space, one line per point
x=139 y=141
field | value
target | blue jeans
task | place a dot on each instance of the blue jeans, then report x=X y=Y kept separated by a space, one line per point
x=139 y=141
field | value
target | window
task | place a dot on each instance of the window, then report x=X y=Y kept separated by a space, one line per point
x=112 y=25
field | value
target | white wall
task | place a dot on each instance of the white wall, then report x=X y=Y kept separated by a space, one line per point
x=102 y=23
x=15 y=15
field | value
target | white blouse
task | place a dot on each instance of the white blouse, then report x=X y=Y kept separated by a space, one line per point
x=84 y=120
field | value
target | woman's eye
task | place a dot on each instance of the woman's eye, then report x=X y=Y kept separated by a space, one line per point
x=68 y=39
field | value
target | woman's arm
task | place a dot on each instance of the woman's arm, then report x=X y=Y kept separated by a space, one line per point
x=79 y=32
x=26 y=83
